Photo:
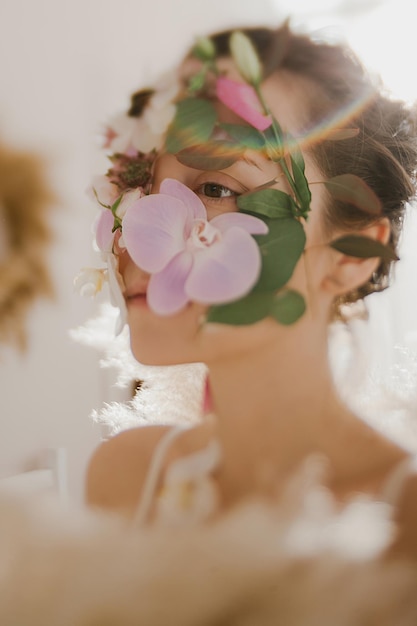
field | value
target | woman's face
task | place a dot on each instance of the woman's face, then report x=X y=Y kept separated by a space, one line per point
x=182 y=338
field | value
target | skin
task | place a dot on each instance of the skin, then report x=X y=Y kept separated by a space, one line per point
x=272 y=388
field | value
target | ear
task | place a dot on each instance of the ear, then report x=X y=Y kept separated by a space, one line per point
x=347 y=273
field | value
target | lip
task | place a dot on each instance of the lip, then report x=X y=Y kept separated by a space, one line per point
x=136 y=297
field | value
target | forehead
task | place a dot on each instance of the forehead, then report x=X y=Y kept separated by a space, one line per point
x=289 y=98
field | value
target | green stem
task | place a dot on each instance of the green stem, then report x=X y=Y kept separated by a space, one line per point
x=281 y=161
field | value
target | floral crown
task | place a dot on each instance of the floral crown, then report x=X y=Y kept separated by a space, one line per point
x=238 y=263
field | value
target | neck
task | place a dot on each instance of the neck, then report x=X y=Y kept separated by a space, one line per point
x=277 y=400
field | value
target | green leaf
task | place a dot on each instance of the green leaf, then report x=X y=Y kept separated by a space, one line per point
x=287 y=307
x=301 y=182
x=272 y=203
x=274 y=135
x=193 y=124
x=247 y=310
x=363 y=248
x=213 y=155
x=275 y=141
x=246 y=135
x=196 y=81
x=353 y=190
x=281 y=250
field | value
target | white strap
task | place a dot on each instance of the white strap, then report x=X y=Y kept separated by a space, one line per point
x=153 y=475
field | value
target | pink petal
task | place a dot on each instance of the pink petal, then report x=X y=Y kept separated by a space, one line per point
x=173 y=187
x=251 y=224
x=103 y=230
x=242 y=100
x=226 y=271
x=153 y=230
x=166 y=294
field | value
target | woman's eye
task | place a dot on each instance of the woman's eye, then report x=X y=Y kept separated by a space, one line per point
x=214 y=190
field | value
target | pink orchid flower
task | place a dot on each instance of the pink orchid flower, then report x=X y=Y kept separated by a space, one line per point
x=104 y=224
x=242 y=100
x=191 y=259
x=103 y=228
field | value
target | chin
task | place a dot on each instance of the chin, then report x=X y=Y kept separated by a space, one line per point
x=160 y=349
x=171 y=340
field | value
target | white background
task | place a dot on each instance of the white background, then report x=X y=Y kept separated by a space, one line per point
x=64 y=68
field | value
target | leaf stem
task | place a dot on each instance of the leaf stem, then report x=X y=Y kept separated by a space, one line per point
x=278 y=133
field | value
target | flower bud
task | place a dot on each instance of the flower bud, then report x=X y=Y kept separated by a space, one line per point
x=204 y=49
x=246 y=58
x=129 y=198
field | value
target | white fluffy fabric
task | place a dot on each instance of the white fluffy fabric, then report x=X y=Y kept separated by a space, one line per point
x=168 y=395
x=302 y=564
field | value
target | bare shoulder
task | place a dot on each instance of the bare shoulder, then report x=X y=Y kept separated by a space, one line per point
x=405 y=543
x=118 y=468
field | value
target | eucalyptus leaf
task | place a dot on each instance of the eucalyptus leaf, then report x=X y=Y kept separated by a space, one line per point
x=248 y=310
x=353 y=190
x=287 y=307
x=213 y=155
x=281 y=250
x=246 y=135
x=193 y=124
x=272 y=203
x=363 y=248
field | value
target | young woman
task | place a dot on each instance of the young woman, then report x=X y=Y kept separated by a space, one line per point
x=277 y=194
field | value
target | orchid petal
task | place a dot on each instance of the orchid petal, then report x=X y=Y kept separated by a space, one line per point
x=242 y=100
x=226 y=271
x=166 y=294
x=103 y=230
x=153 y=231
x=173 y=187
x=251 y=224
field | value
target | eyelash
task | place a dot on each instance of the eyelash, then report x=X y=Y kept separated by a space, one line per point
x=200 y=191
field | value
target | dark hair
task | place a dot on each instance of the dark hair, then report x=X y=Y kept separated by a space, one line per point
x=383 y=153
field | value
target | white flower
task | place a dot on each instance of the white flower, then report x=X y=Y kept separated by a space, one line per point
x=146 y=132
x=129 y=198
x=89 y=281
x=160 y=110
x=103 y=191
x=130 y=133
x=246 y=58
